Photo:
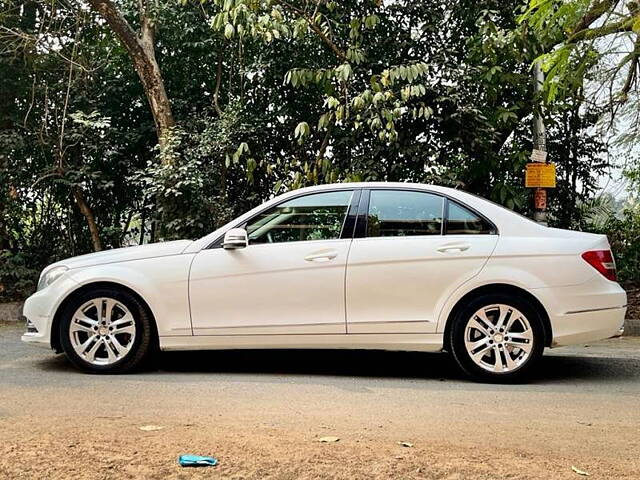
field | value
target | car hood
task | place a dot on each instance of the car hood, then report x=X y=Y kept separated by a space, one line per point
x=161 y=249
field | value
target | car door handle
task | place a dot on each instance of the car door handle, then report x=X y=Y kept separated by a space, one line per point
x=322 y=256
x=458 y=248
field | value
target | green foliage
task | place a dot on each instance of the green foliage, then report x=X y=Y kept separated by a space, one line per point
x=17 y=277
x=207 y=163
x=621 y=224
x=582 y=38
x=267 y=98
x=580 y=158
x=625 y=242
x=357 y=92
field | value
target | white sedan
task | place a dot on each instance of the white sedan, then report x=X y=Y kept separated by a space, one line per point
x=388 y=266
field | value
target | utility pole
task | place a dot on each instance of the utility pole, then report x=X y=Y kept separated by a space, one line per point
x=539 y=153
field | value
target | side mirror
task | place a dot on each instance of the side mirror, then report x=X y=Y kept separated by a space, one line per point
x=235 y=238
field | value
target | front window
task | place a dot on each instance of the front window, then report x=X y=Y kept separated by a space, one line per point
x=318 y=216
x=398 y=213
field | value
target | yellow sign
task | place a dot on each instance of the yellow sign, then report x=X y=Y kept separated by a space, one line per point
x=540 y=175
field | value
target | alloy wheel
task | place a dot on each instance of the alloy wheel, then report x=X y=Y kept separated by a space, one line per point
x=102 y=331
x=499 y=338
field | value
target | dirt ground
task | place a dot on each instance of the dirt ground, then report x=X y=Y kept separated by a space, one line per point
x=261 y=415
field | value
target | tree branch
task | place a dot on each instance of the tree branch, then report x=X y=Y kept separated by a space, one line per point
x=316 y=28
x=147 y=28
x=624 y=25
x=325 y=142
x=119 y=25
x=216 y=92
x=141 y=52
x=88 y=214
x=594 y=14
x=633 y=71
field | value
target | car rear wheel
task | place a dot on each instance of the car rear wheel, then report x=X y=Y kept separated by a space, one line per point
x=106 y=331
x=497 y=338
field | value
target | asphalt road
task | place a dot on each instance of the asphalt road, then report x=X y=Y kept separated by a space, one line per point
x=262 y=413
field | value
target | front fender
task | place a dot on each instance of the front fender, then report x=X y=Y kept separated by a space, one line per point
x=161 y=282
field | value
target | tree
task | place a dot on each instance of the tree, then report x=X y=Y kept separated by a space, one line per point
x=400 y=91
x=597 y=40
x=140 y=46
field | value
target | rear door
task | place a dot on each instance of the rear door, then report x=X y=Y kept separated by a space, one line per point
x=407 y=259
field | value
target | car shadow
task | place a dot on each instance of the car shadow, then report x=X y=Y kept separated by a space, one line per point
x=385 y=364
x=247 y=364
x=351 y=363
x=560 y=368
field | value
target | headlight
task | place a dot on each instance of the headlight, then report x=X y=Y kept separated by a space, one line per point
x=50 y=276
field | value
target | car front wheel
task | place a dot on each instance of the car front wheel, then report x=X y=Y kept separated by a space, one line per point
x=497 y=338
x=106 y=331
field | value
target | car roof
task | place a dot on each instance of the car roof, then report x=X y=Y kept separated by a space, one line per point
x=347 y=185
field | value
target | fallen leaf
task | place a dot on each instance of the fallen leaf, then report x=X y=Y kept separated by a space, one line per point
x=151 y=428
x=579 y=472
x=328 y=439
x=406 y=444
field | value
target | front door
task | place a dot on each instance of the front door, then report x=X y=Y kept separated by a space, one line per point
x=407 y=263
x=289 y=280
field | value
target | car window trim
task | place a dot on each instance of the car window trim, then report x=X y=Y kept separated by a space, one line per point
x=217 y=243
x=363 y=214
x=363 y=211
x=349 y=222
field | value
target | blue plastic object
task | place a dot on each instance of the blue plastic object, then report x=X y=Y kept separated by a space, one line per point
x=196 y=461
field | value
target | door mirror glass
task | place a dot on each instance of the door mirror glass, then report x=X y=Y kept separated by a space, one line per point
x=235 y=238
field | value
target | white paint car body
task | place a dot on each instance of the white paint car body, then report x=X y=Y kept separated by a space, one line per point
x=395 y=293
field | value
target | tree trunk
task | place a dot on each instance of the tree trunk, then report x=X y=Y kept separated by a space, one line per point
x=141 y=51
x=88 y=215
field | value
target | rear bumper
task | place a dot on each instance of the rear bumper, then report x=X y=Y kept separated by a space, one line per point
x=588 y=326
x=583 y=313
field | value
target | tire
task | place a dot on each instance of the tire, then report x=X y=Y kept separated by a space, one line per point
x=500 y=357
x=123 y=334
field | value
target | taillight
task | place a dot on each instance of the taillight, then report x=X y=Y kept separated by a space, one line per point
x=603 y=261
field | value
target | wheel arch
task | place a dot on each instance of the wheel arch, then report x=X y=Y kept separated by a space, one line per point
x=55 y=330
x=502 y=288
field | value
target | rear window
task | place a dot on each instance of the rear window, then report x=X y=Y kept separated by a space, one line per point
x=462 y=221
x=402 y=213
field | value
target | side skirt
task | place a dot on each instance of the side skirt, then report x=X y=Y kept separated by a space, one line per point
x=421 y=342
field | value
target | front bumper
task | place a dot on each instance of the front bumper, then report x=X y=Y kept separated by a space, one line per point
x=40 y=308
x=37 y=339
x=41 y=320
